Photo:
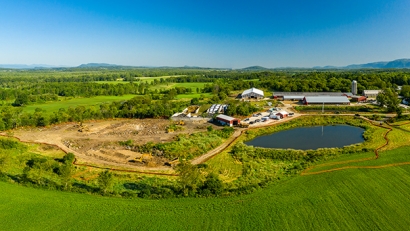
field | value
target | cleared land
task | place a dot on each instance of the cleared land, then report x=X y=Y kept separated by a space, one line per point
x=99 y=143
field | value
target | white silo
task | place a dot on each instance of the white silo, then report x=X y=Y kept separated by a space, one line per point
x=354 y=87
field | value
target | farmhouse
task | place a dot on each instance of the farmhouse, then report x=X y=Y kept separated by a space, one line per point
x=252 y=93
x=371 y=93
x=227 y=120
x=359 y=98
x=325 y=100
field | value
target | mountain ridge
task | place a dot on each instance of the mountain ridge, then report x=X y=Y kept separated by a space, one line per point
x=398 y=63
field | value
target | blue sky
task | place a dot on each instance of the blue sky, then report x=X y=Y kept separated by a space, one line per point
x=236 y=34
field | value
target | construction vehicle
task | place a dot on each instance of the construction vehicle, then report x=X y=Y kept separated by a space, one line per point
x=172 y=163
x=181 y=122
x=143 y=158
x=83 y=128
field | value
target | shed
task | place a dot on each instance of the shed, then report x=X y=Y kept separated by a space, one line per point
x=282 y=114
x=252 y=93
x=371 y=93
x=227 y=120
x=359 y=98
x=326 y=100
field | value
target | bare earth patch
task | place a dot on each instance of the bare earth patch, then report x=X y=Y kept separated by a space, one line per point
x=98 y=142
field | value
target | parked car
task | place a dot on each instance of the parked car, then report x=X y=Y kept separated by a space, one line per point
x=247 y=119
x=252 y=122
x=257 y=120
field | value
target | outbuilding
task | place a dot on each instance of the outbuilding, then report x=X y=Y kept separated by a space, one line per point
x=252 y=93
x=359 y=98
x=282 y=114
x=371 y=93
x=227 y=120
x=325 y=100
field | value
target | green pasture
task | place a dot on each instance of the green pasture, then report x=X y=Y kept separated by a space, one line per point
x=51 y=107
x=194 y=95
x=193 y=86
x=151 y=79
x=353 y=199
x=363 y=160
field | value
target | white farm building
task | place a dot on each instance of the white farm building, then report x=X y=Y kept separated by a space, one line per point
x=252 y=93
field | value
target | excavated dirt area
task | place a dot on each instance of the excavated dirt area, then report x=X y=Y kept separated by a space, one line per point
x=98 y=142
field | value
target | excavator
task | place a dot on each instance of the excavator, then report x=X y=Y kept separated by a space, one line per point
x=83 y=128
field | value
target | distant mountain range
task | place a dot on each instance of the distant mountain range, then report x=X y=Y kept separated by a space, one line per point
x=91 y=65
x=399 y=63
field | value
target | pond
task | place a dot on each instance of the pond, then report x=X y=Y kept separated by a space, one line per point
x=304 y=138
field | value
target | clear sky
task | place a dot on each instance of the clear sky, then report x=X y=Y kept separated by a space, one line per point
x=236 y=34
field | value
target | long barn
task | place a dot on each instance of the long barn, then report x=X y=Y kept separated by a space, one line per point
x=325 y=100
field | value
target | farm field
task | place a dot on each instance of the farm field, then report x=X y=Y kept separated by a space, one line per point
x=353 y=199
x=193 y=86
x=194 y=95
x=151 y=79
x=51 y=107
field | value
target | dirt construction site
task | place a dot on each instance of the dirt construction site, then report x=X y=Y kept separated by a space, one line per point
x=98 y=143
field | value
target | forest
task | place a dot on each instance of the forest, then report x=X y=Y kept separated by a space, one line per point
x=153 y=99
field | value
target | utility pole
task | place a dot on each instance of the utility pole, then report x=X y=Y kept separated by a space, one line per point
x=323 y=107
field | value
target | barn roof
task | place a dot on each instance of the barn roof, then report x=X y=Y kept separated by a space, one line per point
x=225 y=117
x=282 y=112
x=298 y=93
x=327 y=99
x=253 y=90
x=286 y=97
x=371 y=92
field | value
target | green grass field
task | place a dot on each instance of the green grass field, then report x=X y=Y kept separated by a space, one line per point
x=51 y=107
x=353 y=199
x=151 y=79
x=193 y=86
x=370 y=195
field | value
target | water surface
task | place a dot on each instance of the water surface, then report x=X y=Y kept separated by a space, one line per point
x=305 y=138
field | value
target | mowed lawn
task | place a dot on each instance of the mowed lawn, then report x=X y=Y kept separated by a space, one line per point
x=352 y=199
x=56 y=105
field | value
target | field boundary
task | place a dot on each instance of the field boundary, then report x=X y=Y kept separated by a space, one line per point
x=376 y=152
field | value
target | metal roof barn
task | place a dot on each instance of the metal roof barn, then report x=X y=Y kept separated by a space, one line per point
x=252 y=93
x=227 y=120
x=293 y=97
x=326 y=99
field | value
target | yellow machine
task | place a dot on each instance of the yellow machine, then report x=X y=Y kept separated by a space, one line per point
x=143 y=157
x=180 y=122
x=83 y=128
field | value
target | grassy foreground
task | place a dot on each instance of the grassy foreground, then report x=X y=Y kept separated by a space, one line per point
x=352 y=199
